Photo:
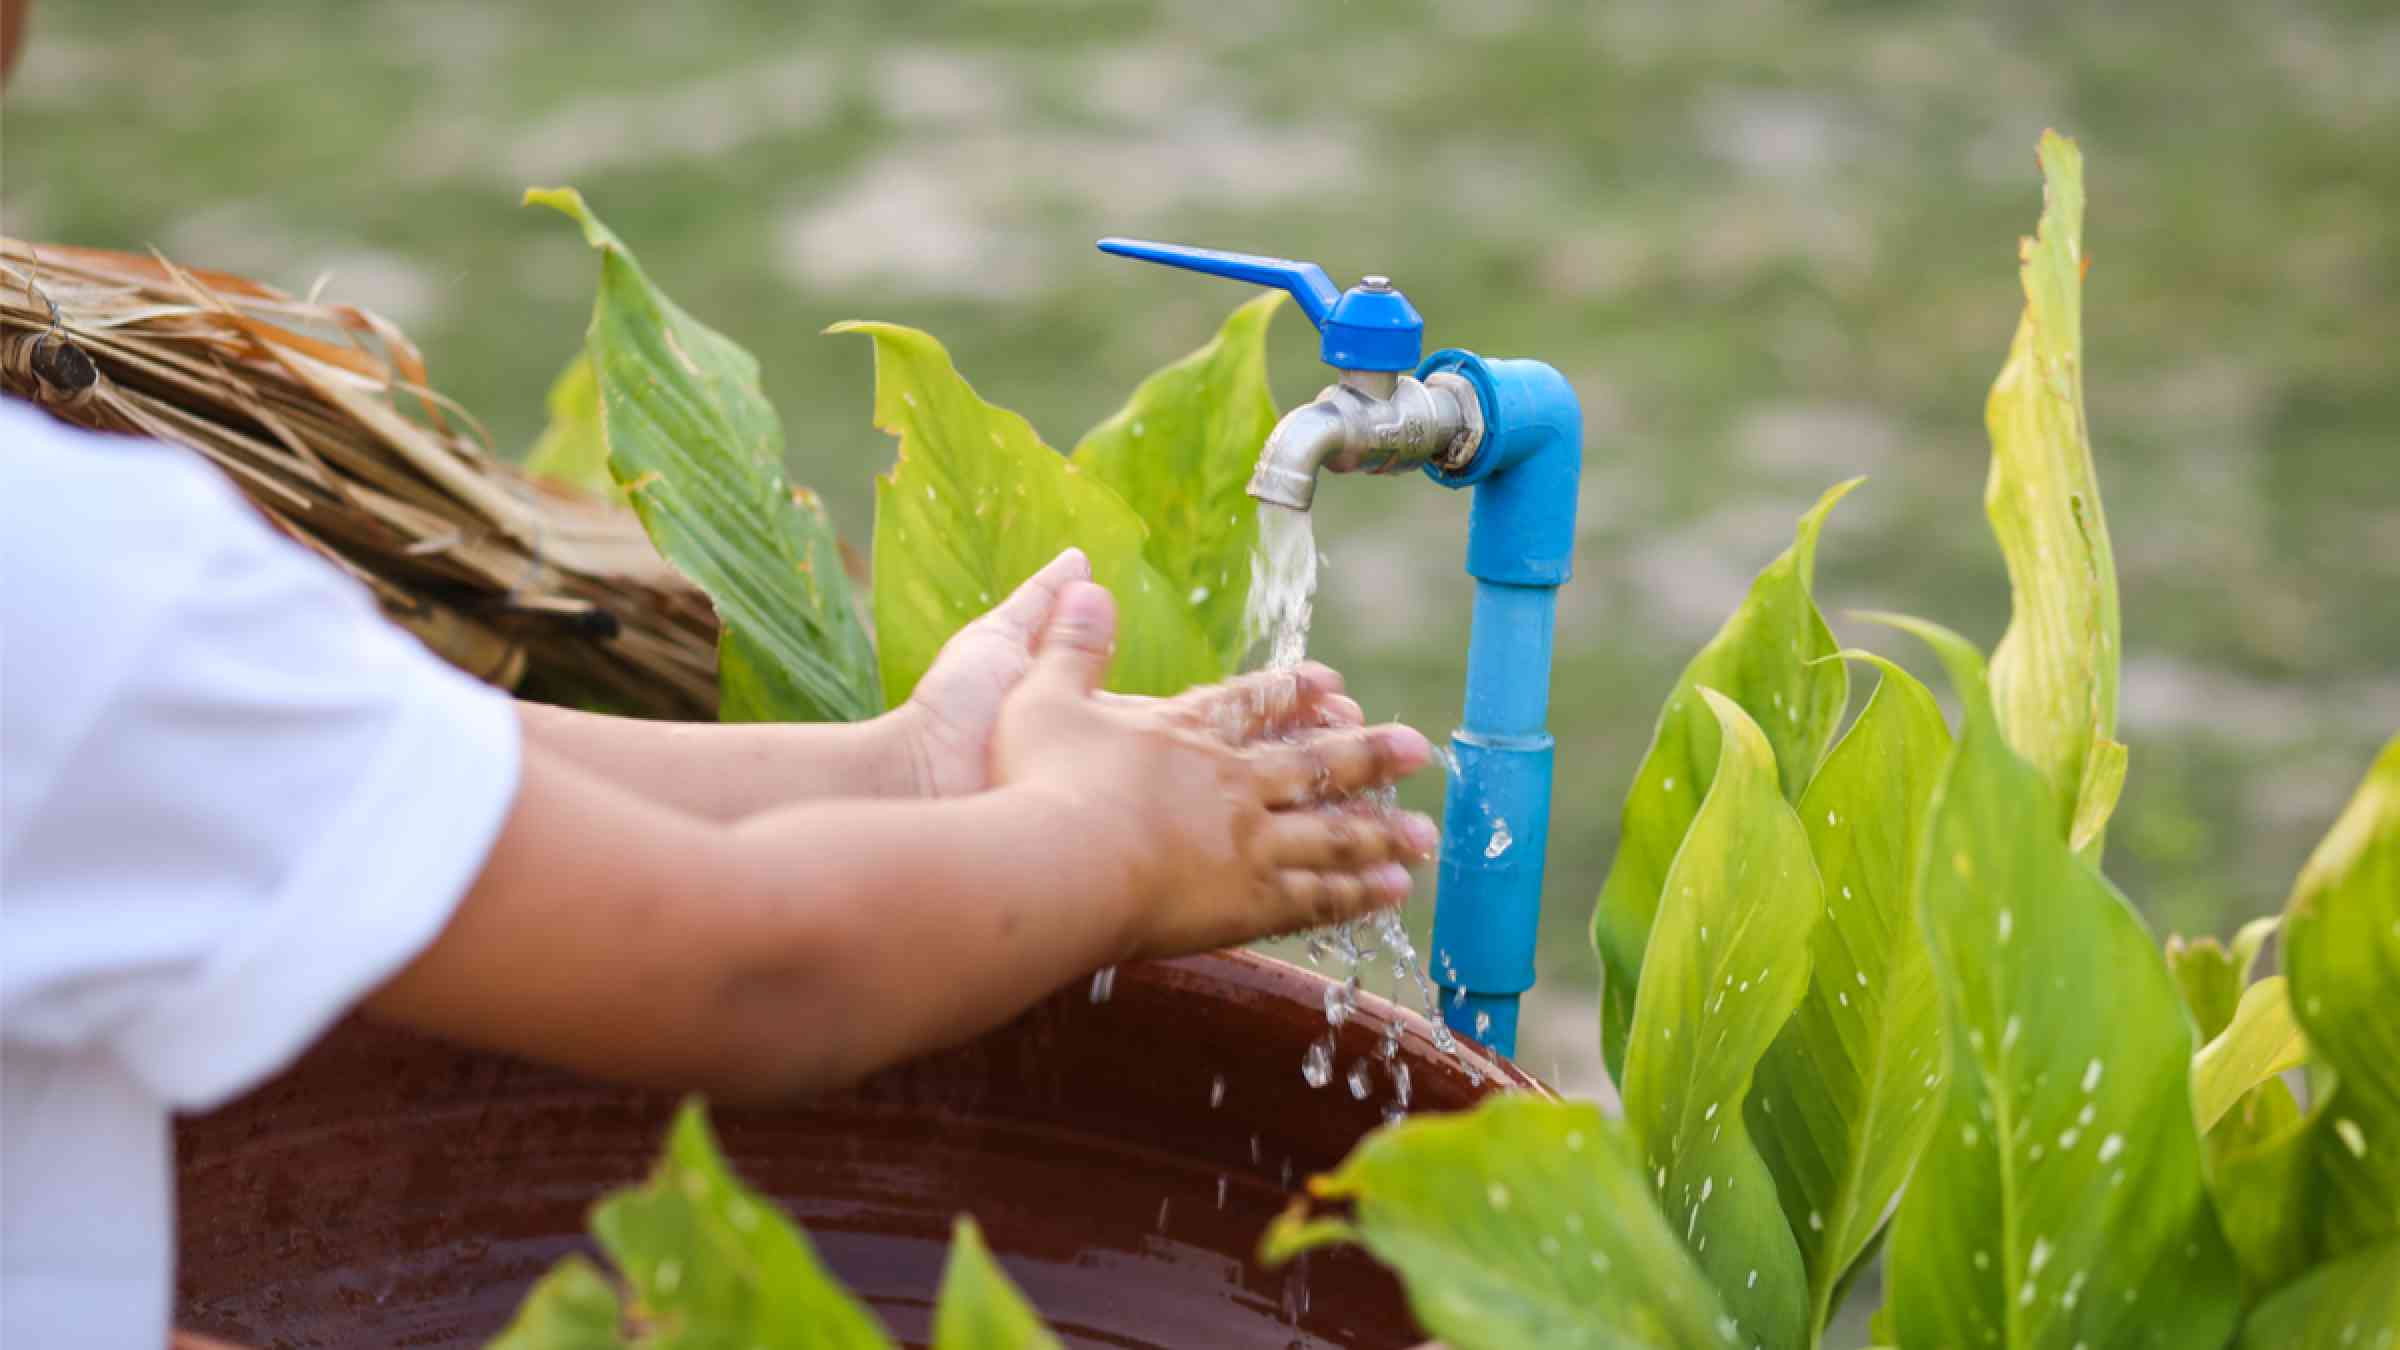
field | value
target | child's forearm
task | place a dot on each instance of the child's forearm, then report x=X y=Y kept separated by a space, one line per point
x=728 y=772
x=796 y=951
x=879 y=931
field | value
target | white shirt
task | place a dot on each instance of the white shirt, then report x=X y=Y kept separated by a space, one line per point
x=232 y=801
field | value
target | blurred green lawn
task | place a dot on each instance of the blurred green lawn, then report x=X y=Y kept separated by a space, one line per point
x=1773 y=245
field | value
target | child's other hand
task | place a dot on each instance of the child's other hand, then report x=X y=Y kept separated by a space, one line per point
x=946 y=725
x=945 y=728
x=1226 y=830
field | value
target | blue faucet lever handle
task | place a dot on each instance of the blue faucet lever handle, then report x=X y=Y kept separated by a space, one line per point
x=1368 y=327
x=1305 y=280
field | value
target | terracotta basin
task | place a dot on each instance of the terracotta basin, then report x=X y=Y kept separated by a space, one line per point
x=393 y=1190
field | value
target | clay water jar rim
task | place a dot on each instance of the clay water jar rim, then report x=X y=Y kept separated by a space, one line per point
x=382 y=1149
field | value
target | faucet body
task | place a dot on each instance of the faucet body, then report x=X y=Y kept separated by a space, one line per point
x=1369 y=422
x=1512 y=431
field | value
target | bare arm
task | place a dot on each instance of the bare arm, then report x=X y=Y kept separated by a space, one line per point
x=804 y=947
x=728 y=772
x=797 y=952
x=935 y=744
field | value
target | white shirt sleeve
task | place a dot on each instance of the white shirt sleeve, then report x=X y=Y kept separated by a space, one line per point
x=235 y=798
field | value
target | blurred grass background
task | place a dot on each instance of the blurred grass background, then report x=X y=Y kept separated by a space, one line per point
x=1774 y=246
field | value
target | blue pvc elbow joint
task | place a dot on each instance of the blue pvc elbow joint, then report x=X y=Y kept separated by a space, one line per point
x=1496 y=818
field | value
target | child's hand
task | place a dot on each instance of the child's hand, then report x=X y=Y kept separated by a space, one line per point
x=1226 y=831
x=946 y=725
x=945 y=728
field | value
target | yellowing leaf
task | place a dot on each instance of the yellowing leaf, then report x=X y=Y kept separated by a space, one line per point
x=977 y=1308
x=2260 y=1041
x=572 y=449
x=1180 y=453
x=1844 y=1099
x=1523 y=1223
x=2054 y=674
x=2061 y=1200
x=698 y=448
x=1727 y=964
x=976 y=504
x=1768 y=659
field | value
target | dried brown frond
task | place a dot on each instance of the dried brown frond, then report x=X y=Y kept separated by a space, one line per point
x=323 y=415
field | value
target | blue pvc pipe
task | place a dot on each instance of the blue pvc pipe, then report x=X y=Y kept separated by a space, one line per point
x=1496 y=816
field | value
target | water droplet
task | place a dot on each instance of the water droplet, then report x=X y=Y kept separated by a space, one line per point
x=1216 y=1092
x=1359 y=1081
x=1498 y=1195
x=2008 y=1033
x=2353 y=1138
x=2039 y=1257
x=1483 y=1024
x=1317 y=1065
x=1669 y=785
x=1104 y=983
x=1220 y=1192
x=1816 y=1222
x=2008 y=923
x=2091 y=1076
x=1500 y=841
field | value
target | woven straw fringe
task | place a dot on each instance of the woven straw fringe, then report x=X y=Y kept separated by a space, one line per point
x=322 y=415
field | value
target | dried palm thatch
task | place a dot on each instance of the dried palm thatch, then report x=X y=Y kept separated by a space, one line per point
x=514 y=580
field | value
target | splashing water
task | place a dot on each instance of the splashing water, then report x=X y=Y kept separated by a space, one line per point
x=1283 y=585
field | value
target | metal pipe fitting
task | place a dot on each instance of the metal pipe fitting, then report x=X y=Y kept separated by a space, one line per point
x=1355 y=427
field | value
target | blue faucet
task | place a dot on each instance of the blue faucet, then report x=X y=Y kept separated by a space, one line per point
x=1512 y=430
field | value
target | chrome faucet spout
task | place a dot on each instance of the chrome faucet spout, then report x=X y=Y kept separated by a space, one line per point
x=1296 y=451
x=1370 y=422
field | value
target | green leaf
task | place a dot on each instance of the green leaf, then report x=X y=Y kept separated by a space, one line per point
x=1727 y=964
x=978 y=1308
x=1525 y=1222
x=574 y=1307
x=977 y=503
x=2301 y=1189
x=572 y=449
x=2341 y=948
x=1842 y=1106
x=1768 y=659
x=1180 y=453
x=2060 y=1202
x=2351 y=1304
x=694 y=442
x=2211 y=976
x=2259 y=1042
x=2054 y=674
x=714 y=1264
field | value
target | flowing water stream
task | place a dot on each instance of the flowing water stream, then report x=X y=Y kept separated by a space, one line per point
x=1283 y=586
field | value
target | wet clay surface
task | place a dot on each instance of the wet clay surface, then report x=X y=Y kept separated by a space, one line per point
x=390 y=1190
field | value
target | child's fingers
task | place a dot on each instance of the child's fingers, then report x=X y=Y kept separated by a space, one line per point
x=1247 y=707
x=1316 y=898
x=1078 y=642
x=1021 y=615
x=1337 y=763
x=1345 y=837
